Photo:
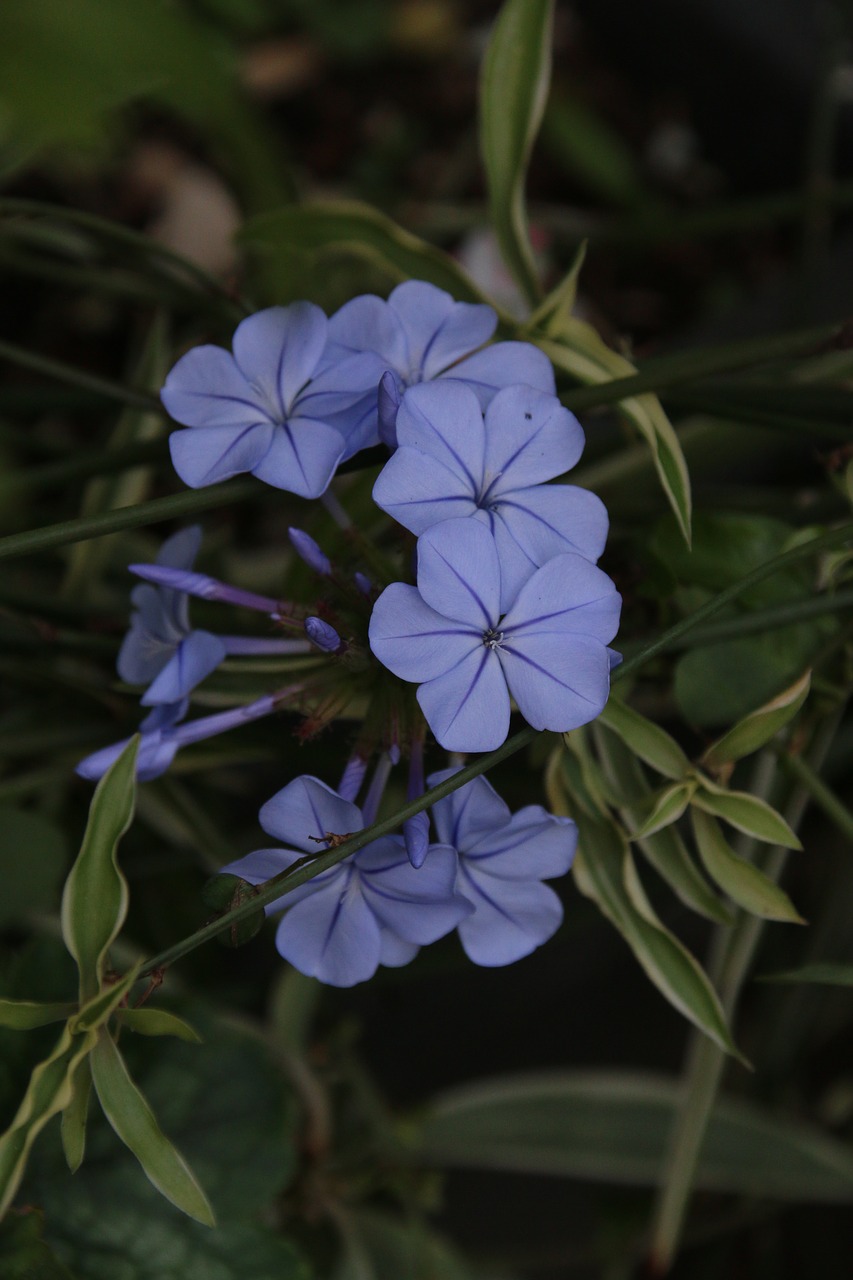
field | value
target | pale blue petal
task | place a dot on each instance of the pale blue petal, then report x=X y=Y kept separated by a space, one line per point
x=568 y=594
x=196 y=656
x=553 y=519
x=530 y=438
x=510 y=919
x=394 y=952
x=144 y=653
x=332 y=935
x=388 y=403
x=344 y=396
x=422 y=309
x=277 y=351
x=467 y=708
x=500 y=365
x=459 y=574
x=465 y=328
x=302 y=457
x=263 y=864
x=444 y=420
x=469 y=813
x=416 y=838
x=156 y=752
x=533 y=845
x=418 y=905
x=419 y=491
x=517 y=565
x=559 y=681
x=205 y=455
x=367 y=323
x=305 y=810
x=206 y=389
x=165 y=716
x=180 y=551
x=413 y=640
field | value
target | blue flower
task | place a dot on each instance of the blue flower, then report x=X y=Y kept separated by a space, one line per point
x=371 y=909
x=503 y=858
x=269 y=408
x=161 y=649
x=452 y=463
x=422 y=333
x=447 y=634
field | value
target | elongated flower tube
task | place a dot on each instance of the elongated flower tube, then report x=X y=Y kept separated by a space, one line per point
x=503 y=859
x=549 y=651
x=371 y=909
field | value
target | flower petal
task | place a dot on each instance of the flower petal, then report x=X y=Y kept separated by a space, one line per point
x=206 y=389
x=277 y=351
x=533 y=845
x=413 y=640
x=420 y=491
x=500 y=365
x=394 y=951
x=467 y=708
x=419 y=906
x=196 y=656
x=552 y=519
x=305 y=810
x=468 y=814
x=568 y=594
x=510 y=918
x=530 y=438
x=332 y=935
x=444 y=420
x=263 y=864
x=344 y=396
x=206 y=455
x=367 y=323
x=302 y=457
x=180 y=551
x=459 y=574
x=559 y=680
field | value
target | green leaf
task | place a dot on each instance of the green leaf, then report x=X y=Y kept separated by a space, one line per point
x=616 y=1127
x=50 y=1091
x=24 y=1255
x=556 y=307
x=378 y=1246
x=221 y=894
x=96 y=1012
x=604 y=872
x=830 y=975
x=94 y=903
x=580 y=352
x=760 y=726
x=23 y=1015
x=665 y=807
x=647 y=740
x=362 y=231
x=134 y=1122
x=740 y=879
x=75 y=1115
x=746 y=813
x=157 y=1022
x=33 y=858
x=514 y=82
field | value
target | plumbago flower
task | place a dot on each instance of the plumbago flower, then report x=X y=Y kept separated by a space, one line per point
x=452 y=462
x=422 y=333
x=269 y=408
x=549 y=651
x=372 y=909
x=503 y=859
x=161 y=649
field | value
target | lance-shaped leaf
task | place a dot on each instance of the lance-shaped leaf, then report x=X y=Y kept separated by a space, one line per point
x=604 y=873
x=554 y=309
x=157 y=1022
x=96 y=1012
x=830 y=975
x=135 y=1123
x=358 y=229
x=50 y=1091
x=665 y=850
x=745 y=884
x=94 y=902
x=647 y=740
x=760 y=726
x=582 y=353
x=665 y=807
x=566 y=788
x=75 y=1115
x=24 y=1015
x=746 y=813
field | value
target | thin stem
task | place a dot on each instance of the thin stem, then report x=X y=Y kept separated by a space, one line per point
x=264 y=646
x=823 y=796
x=687 y=366
x=95 y=462
x=89 y=381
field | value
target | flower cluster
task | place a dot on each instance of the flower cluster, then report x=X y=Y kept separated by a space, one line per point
x=507 y=607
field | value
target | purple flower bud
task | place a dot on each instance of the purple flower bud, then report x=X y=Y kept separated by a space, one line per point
x=389 y=403
x=323 y=635
x=363 y=583
x=307 y=548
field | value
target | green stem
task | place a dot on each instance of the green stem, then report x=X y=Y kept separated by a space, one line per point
x=784 y=615
x=732 y=952
x=821 y=794
x=95 y=462
x=687 y=366
x=89 y=381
